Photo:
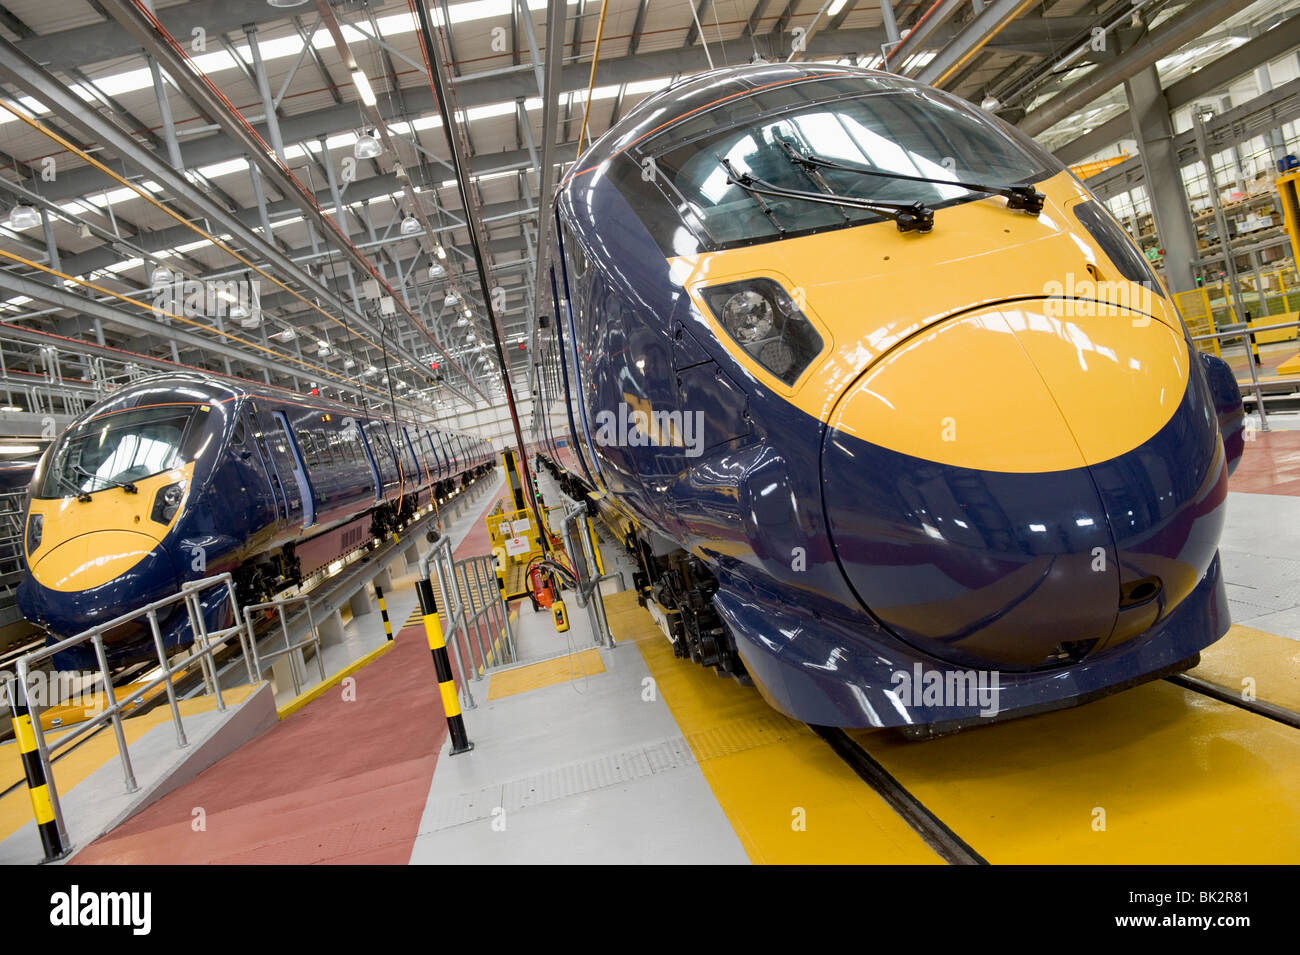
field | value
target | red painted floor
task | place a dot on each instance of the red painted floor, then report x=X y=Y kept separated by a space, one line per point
x=336 y=782
x=1270 y=464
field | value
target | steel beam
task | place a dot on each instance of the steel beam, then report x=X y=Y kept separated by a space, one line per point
x=1154 y=132
x=974 y=36
x=1261 y=49
x=140 y=25
x=1190 y=23
x=924 y=33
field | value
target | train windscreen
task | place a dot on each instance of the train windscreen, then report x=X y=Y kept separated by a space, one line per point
x=907 y=132
x=116 y=449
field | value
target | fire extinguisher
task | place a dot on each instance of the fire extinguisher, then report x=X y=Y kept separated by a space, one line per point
x=543 y=593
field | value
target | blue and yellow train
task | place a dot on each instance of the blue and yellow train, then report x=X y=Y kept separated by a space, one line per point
x=885 y=400
x=181 y=476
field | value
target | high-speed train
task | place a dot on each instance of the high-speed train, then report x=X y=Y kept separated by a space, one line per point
x=885 y=400
x=179 y=477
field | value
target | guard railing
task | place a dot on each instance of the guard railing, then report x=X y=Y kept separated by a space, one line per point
x=475 y=611
x=27 y=722
x=258 y=659
x=580 y=545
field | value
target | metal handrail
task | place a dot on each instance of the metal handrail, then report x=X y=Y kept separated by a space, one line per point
x=1241 y=330
x=469 y=625
x=256 y=658
x=589 y=593
x=206 y=644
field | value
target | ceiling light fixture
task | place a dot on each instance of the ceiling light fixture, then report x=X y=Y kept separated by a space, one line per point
x=364 y=90
x=367 y=146
x=287 y=335
x=161 y=276
x=435 y=270
x=23 y=217
x=440 y=252
x=990 y=103
x=285 y=4
x=410 y=226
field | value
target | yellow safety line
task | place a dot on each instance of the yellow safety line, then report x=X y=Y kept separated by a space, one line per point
x=544 y=673
x=302 y=699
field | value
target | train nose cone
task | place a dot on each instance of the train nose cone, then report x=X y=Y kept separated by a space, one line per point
x=959 y=485
x=93 y=576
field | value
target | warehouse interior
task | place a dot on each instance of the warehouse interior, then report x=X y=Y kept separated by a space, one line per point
x=303 y=196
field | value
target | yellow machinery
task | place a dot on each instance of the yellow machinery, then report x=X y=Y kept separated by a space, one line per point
x=516 y=540
x=1288 y=188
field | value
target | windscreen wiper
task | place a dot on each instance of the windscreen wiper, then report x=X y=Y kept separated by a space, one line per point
x=124 y=485
x=909 y=216
x=1018 y=195
x=72 y=485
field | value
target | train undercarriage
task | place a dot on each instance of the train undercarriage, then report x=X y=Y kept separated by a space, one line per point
x=675 y=586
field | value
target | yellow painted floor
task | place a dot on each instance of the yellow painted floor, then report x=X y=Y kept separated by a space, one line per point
x=789 y=798
x=1249 y=660
x=1156 y=774
x=75 y=765
x=534 y=676
x=1174 y=777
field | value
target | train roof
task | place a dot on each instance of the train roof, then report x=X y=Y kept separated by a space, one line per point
x=712 y=89
x=203 y=388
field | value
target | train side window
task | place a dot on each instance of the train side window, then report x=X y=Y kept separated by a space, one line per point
x=573 y=249
x=308 y=447
x=239 y=434
x=323 y=447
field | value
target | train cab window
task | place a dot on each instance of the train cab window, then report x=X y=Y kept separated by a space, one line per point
x=880 y=136
x=238 y=434
x=118 y=448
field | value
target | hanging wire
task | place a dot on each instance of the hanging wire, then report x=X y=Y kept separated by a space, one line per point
x=591 y=81
x=700 y=30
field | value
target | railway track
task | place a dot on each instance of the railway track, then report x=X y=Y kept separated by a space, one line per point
x=932 y=819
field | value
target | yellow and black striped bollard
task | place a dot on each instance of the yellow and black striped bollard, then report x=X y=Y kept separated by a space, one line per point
x=53 y=841
x=442 y=666
x=383 y=611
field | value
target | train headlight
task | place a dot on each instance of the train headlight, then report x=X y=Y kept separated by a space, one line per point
x=764 y=320
x=35 y=524
x=167 y=502
x=748 y=317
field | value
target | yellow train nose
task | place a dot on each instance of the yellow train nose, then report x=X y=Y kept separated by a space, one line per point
x=960 y=475
x=92 y=559
x=1021 y=388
